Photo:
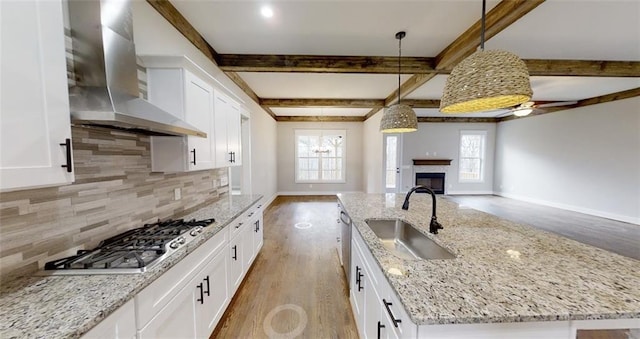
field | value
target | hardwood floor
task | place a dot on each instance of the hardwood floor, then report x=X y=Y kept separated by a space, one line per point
x=615 y=236
x=296 y=286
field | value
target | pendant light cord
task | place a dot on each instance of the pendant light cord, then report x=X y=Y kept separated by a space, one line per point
x=399 y=56
x=484 y=8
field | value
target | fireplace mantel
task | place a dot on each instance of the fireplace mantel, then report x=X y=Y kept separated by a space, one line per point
x=431 y=162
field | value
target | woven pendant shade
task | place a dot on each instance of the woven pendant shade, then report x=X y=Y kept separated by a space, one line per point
x=399 y=118
x=486 y=80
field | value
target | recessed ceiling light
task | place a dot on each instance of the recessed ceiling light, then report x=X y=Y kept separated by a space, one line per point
x=266 y=11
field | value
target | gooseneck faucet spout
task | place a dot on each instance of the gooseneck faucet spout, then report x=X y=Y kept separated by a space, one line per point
x=434 y=225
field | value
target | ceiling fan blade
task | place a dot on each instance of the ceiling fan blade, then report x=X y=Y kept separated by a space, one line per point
x=554 y=104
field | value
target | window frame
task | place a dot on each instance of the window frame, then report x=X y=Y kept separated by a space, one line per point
x=482 y=157
x=320 y=133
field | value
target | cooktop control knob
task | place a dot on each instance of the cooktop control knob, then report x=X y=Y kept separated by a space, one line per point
x=174 y=244
x=197 y=230
x=181 y=240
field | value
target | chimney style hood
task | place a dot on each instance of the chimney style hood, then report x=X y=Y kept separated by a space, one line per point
x=106 y=71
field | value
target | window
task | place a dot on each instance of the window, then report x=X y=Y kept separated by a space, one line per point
x=471 y=164
x=320 y=156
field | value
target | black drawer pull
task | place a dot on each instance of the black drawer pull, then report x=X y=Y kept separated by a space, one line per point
x=380 y=326
x=257 y=223
x=235 y=252
x=208 y=291
x=67 y=144
x=201 y=300
x=395 y=321
x=194 y=156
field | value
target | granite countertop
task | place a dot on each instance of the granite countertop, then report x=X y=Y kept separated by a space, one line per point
x=69 y=306
x=503 y=272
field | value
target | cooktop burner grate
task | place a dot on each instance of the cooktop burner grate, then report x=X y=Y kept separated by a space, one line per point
x=133 y=251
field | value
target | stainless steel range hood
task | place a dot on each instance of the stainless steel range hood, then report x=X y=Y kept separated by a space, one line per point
x=106 y=71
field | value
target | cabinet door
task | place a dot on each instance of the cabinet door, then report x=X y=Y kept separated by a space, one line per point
x=34 y=100
x=178 y=318
x=247 y=246
x=199 y=113
x=358 y=286
x=373 y=310
x=234 y=139
x=236 y=267
x=222 y=106
x=258 y=233
x=216 y=294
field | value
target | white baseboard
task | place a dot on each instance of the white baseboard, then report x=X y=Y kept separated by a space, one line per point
x=597 y=213
x=469 y=193
x=270 y=200
x=314 y=192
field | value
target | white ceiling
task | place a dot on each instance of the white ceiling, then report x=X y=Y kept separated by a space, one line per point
x=557 y=29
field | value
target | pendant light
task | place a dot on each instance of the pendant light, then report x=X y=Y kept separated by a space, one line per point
x=486 y=80
x=399 y=118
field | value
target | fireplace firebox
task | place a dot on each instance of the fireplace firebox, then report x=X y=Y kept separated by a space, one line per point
x=434 y=181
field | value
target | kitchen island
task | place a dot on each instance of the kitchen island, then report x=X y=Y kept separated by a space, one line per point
x=503 y=272
x=69 y=306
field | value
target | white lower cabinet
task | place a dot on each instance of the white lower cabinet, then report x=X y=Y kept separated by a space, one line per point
x=376 y=309
x=240 y=250
x=215 y=295
x=121 y=324
x=258 y=232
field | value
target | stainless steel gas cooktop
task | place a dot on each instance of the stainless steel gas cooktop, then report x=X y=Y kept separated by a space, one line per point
x=134 y=251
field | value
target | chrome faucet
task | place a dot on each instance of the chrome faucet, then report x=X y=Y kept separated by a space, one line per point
x=434 y=225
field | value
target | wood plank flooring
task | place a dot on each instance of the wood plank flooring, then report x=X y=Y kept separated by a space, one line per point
x=296 y=276
x=611 y=235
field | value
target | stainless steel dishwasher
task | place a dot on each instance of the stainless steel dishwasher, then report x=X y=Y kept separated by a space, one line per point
x=345 y=224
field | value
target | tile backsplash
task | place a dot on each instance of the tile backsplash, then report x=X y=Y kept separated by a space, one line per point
x=114 y=191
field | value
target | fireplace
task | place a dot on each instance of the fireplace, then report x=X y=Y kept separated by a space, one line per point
x=435 y=181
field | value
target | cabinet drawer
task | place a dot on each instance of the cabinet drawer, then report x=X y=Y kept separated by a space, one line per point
x=245 y=218
x=155 y=296
x=377 y=277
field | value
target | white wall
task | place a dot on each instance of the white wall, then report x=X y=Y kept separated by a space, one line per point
x=372 y=150
x=153 y=35
x=442 y=140
x=585 y=159
x=286 y=158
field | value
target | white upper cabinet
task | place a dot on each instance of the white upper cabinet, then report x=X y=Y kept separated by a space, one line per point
x=227 y=131
x=189 y=97
x=35 y=129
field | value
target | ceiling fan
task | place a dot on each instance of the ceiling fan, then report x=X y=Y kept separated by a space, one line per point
x=531 y=106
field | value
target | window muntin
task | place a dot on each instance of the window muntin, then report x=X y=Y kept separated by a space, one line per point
x=320 y=156
x=472 y=153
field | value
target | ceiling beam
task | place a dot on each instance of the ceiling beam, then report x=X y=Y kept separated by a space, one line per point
x=334 y=64
x=498 y=18
x=539 y=67
x=323 y=64
x=316 y=118
x=344 y=103
x=631 y=93
x=175 y=18
x=248 y=91
x=407 y=87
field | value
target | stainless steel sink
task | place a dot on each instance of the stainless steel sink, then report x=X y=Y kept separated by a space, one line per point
x=405 y=241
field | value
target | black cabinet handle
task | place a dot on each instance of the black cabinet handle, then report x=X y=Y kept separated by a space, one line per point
x=208 y=291
x=250 y=214
x=380 y=326
x=257 y=223
x=360 y=288
x=395 y=321
x=259 y=206
x=235 y=252
x=357 y=275
x=230 y=156
x=67 y=144
x=194 y=156
x=201 y=300
x=238 y=225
